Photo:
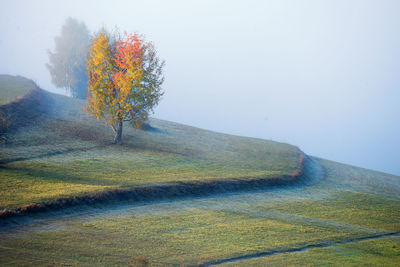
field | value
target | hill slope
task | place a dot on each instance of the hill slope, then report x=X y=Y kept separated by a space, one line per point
x=343 y=220
x=13 y=87
x=334 y=214
x=64 y=153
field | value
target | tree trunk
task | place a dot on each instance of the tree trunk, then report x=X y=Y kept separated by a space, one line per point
x=118 y=133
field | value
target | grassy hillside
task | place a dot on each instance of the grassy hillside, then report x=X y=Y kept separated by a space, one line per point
x=64 y=154
x=13 y=87
x=374 y=252
x=332 y=214
x=340 y=213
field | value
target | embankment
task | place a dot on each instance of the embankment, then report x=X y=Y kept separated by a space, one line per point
x=23 y=110
x=156 y=192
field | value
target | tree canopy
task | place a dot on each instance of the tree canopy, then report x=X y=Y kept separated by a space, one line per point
x=67 y=62
x=125 y=78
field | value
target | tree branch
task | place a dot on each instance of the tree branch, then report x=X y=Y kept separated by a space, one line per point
x=114 y=129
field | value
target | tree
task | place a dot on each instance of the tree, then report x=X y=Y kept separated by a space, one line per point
x=125 y=78
x=67 y=64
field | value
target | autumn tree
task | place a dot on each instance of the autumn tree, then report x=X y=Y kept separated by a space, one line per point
x=125 y=78
x=67 y=64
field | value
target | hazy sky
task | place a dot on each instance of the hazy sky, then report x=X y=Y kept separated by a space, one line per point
x=322 y=75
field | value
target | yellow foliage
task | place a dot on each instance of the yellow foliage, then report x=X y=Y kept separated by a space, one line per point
x=125 y=78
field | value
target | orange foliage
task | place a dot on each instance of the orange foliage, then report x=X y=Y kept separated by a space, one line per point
x=125 y=78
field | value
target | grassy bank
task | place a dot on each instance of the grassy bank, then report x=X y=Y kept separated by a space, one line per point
x=66 y=154
x=13 y=87
x=198 y=231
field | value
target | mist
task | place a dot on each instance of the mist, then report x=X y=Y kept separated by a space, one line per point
x=322 y=75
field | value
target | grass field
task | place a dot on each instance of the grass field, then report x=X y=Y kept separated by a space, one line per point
x=12 y=87
x=376 y=252
x=204 y=230
x=67 y=154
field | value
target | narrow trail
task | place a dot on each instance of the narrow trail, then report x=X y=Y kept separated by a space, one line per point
x=294 y=250
x=312 y=174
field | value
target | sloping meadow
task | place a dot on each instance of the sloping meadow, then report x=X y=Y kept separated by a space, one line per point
x=65 y=155
x=326 y=224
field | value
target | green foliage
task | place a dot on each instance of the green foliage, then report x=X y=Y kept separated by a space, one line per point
x=67 y=62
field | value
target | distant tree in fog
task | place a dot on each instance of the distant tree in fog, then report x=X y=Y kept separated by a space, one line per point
x=67 y=64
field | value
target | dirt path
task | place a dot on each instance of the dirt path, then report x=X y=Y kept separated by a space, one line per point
x=312 y=174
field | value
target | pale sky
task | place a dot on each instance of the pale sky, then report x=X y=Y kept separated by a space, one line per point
x=322 y=75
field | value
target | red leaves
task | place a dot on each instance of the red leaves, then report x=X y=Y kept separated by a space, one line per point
x=125 y=78
x=128 y=52
x=128 y=58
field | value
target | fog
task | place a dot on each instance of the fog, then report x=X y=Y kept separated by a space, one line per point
x=322 y=75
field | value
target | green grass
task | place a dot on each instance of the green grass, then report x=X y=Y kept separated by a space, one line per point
x=349 y=207
x=190 y=232
x=375 y=252
x=194 y=231
x=12 y=87
x=186 y=238
x=66 y=153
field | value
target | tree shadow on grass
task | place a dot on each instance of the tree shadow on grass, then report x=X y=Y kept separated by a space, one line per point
x=148 y=128
x=49 y=154
x=64 y=177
